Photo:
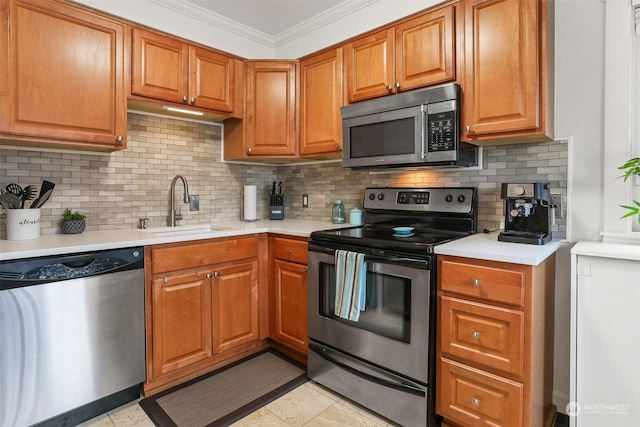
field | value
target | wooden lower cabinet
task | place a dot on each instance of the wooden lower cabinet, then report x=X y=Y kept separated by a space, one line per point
x=235 y=305
x=288 y=293
x=203 y=306
x=495 y=342
x=181 y=320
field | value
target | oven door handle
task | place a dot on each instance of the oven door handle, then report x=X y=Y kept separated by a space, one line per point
x=402 y=385
x=420 y=263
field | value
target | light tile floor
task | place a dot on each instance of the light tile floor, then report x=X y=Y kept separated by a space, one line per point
x=307 y=405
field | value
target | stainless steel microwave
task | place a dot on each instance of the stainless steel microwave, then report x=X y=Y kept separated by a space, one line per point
x=417 y=128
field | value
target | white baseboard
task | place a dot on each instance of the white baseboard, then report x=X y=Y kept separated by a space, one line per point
x=561 y=401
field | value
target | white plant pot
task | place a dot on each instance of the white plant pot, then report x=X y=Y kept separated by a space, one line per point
x=23 y=224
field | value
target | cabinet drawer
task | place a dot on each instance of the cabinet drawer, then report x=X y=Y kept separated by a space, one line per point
x=290 y=250
x=488 y=280
x=474 y=398
x=483 y=334
x=198 y=254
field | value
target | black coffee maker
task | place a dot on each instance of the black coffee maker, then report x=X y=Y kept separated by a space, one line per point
x=527 y=213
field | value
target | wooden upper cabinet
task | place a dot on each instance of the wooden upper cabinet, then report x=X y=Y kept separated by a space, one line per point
x=505 y=71
x=370 y=66
x=321 y=96
x=159 y=67
x=61 y=76
x=416 y=53
x=270 y=115
x=212 y=83
x=425 y=49
x=168 y=69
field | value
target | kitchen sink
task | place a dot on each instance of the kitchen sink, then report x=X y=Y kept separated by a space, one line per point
x=185 y=229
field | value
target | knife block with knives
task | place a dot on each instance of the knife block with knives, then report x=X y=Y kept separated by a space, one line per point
x=276 y=202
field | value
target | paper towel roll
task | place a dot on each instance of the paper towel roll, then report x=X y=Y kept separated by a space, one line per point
x=250 y=203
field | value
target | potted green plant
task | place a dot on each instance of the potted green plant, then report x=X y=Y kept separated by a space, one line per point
x=631 y=168
x=72 y=222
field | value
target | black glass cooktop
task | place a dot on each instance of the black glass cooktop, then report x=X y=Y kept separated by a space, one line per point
x=384 y=237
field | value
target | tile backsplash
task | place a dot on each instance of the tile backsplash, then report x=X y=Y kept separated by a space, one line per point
x=116 y=190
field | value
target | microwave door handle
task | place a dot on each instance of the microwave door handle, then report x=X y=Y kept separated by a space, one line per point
x=423 y=139
x=398 y=385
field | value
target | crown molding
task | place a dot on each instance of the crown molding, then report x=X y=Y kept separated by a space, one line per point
x=201 y=14
x=328 y=16
x=193 y=11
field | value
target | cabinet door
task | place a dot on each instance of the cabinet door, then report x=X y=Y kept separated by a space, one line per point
x=425 y=50
x=320 y=101
x=211 y=79
x=271 y=109
x=159 y=67
x=502 y=68
x=369 y=62
x=62 y=75
x=181 y=320
x=290 y=304
x=235 y=305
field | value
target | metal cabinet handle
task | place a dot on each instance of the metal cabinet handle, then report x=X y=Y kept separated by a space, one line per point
x=303 y=271
x=193 y=100
x=475 y=401
x=197 y=274
x=289 y=251
x=165 y=279
x=185 y=98
x=208 y=275
x=249 y=150
x=397 y=85
x=475 y=335
x=120 y=138
x=216 y=274
x=389 y=88
x=477 y=283
x=337 y=146
x=467 y=128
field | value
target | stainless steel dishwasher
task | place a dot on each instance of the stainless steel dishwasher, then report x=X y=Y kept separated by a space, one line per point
x=72 y=336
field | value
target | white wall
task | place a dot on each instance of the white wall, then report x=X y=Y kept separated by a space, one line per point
x=579 y=112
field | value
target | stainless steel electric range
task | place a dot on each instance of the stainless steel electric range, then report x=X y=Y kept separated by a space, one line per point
x=372 y=299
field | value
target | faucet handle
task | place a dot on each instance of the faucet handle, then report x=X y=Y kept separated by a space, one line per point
x=143 y=223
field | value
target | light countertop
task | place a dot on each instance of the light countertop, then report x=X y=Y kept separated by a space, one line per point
x=486 y=246
x=58 y=244
x=481 y=245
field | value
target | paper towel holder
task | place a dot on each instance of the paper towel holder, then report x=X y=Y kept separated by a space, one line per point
x=253 y=204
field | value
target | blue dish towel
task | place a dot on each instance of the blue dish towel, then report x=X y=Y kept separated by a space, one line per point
x=351 y=285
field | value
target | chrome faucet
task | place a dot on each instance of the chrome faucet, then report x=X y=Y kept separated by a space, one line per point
x=173 y=216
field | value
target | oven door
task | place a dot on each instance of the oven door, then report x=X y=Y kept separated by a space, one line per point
x=393 y=331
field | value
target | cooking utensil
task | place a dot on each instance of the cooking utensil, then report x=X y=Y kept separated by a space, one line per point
x=28 y=193
x=45 y=189
x=14 y=189
x=41 y=200
x=10 y=201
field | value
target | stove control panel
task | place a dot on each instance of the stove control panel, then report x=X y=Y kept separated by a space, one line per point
x=438 y=199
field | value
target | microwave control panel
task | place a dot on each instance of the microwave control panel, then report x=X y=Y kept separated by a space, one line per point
x=441 y=128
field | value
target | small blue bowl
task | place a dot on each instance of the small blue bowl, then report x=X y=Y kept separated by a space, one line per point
x=402 y=231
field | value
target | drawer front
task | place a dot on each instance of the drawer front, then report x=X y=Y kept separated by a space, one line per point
x=291 y=250
x=483 y=334
x=474 y=398
x=178 y=257
x=491 y=281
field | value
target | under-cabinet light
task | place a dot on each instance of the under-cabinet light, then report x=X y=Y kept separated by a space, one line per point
x=182 y=110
